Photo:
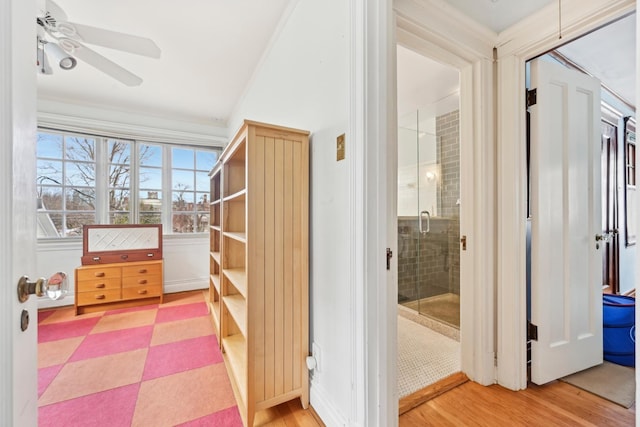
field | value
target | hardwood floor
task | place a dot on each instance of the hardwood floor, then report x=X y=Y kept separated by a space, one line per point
x=555 y=404
x=288 y=414
x=470 y=404
x=421 y=396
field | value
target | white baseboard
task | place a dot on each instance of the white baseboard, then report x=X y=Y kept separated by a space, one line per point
x=183 y=286
x=319 y=399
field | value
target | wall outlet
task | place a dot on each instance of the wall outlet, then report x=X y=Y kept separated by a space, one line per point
x=315 y=352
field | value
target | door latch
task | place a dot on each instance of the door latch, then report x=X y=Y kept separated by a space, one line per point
x=463 y=241
x=389 y=256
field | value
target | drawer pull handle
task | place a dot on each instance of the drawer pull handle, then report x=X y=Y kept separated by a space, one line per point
x=100 y=285
x=142 y=292
x=100 y=297
x=142 y=281
x=142 y=271
x=100 y=274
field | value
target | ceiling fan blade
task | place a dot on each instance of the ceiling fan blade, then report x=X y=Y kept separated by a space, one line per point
x=101 y=63
x=55 y=11
x=111 y=39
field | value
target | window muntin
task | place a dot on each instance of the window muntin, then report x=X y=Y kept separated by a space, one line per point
x=86 y=179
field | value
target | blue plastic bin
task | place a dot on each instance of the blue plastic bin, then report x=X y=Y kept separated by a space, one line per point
x=619 y=329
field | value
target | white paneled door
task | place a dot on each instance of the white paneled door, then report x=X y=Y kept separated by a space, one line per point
x=566 y=259
x=18 y=351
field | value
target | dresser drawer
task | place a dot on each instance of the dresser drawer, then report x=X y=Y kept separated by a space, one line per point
x=142 y=291
x=98 y=273
x=93 y=284
x=144 y=280
x=142 y=270
x=97 y=297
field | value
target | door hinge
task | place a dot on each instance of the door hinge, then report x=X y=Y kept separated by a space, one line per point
x=532 y=97
x=532 y=331
x=389 y=256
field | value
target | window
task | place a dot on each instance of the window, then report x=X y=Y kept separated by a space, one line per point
x=630 y=181
x=150 y=184
x=118 y=180
x=66 y=183
x=190 y=188
x=84 y=179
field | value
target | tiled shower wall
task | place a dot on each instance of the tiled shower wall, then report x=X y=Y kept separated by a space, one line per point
x=448 y=156
x=429 y=264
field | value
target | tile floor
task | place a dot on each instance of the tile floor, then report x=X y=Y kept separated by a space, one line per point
x=424 y=357
x=155 y=365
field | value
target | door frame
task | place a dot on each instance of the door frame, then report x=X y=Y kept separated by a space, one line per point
x=443 y=34
x=611 y=199
x=533 y=36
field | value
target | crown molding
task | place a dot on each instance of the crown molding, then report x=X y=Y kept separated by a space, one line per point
x=445 y=27
x=97 y=122
x=540 y=31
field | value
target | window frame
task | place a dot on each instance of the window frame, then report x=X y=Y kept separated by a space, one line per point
x=102 y=184
x=630 y=184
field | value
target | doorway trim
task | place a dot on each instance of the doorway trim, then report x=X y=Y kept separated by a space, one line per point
x=533 y=36
x=437 y=31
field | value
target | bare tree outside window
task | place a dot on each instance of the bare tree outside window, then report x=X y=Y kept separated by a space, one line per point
x=68 y=185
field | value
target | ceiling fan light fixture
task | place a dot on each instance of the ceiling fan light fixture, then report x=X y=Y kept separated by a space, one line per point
x=59 y=56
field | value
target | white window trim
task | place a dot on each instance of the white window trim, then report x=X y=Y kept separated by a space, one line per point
x=161 y=137
x=139 y=133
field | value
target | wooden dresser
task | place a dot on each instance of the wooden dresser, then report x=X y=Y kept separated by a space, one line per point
x=118 y=285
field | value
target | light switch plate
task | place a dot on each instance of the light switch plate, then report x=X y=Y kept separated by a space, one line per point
x=340 y=146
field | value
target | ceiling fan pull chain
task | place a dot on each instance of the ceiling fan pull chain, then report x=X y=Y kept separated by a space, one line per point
x=559 y=19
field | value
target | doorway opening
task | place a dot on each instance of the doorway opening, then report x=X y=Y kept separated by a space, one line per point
x=607 y=55
x=428 y=213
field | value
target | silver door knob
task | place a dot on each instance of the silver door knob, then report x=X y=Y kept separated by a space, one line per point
x=604 y=237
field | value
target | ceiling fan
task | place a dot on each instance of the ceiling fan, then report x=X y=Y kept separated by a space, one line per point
x=64 y=42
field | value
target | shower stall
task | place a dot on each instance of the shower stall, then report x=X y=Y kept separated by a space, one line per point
x=429 y=215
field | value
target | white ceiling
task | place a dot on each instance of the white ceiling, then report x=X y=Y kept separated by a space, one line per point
x=425 y=85
x=609 y=54
x=498 y=14
x=211 y=48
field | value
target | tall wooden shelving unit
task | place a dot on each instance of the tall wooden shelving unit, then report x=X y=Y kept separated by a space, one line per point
x=259 y=264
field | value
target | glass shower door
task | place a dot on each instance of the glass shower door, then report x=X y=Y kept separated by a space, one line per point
x=428 y=264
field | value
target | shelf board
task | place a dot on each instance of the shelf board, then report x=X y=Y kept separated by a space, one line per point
x=238 y=277
x=216 y=227
x=215 y=202
x=236 y=348
x=238 y=196
x=215 y=256
x=236 y=235
x=237 y=307
x=215 y=279
x=215 y=316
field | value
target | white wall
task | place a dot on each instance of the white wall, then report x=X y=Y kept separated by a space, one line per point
x=186 y=264
x=302 y=83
